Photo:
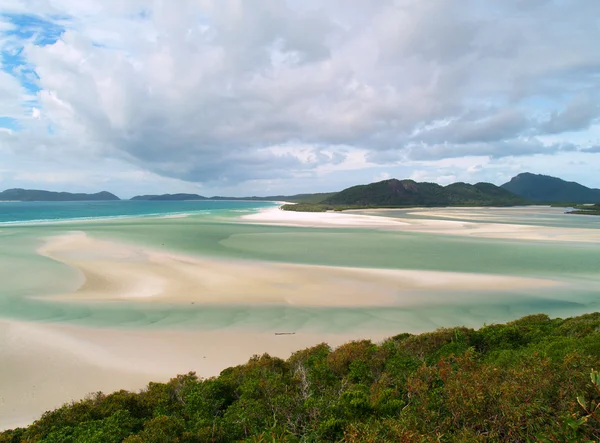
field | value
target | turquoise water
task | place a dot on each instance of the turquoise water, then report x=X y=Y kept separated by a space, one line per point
x=13 y=212
x=212 y=229
x=527 y=215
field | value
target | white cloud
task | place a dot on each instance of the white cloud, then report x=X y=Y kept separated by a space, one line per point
x=223 y=92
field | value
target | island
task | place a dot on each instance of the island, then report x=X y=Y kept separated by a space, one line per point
x=169 y=197
x=395 y=193
x=36 y=195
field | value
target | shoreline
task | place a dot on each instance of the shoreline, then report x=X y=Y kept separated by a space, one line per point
x=458 y=227
x=113 y=359
x=179 y=214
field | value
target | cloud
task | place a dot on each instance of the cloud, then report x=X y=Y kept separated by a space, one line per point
x=225 y=92
x=579 y=114
x=499 y=125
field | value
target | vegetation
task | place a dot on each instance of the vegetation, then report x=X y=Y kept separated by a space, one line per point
x=301 y=198
x=306 y=207
x=169 y=197
x=524 y=381
x=31 y=195
x=404 y=193
x=546 y=189
x=586 y=209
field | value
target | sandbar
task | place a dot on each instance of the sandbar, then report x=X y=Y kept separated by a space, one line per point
x=111 y=271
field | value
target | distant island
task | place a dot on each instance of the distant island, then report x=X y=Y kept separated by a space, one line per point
x=523 y=189
x=169 y=197
x=395 y=193
x=34 y=195
x=545 y=189
x=304 y=198
x=410 y=193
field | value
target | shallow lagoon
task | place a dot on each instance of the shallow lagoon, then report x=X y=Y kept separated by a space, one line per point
x=28 y=280
x=126 y=343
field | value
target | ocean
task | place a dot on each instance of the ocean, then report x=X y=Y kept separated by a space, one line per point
x=29 y=212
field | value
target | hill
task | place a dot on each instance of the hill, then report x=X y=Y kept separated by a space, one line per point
x=527 y=380
x=31 y=195
x=395 y=192
x=169 y=197
x=298 y=198
x=546 y=189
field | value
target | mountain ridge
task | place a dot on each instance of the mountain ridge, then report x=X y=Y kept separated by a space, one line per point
x=547 y=189
x=394 y=192
x=33 y=195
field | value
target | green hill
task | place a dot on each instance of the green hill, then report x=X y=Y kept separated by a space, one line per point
x=546 y=189
x=524 y=381
x=395 y=192
x=30 y=195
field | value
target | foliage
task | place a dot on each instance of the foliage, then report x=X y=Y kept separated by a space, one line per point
x=586 y=209
x=306 y=207
x=398 y=193
x=527 y=380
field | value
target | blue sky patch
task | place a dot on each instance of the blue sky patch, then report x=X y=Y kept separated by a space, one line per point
x=26 y=28
x=9 y=123
x=31 y=27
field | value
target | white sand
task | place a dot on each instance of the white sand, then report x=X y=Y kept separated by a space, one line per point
x=114 y=271
x=46 y=365
x=276 y=216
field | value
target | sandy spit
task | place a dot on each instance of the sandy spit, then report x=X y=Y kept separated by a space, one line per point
x=115 y=272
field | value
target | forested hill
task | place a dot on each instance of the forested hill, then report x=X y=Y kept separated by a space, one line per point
x=546 y=189
x=528 y=380
x=305 y=198
x=169 y=197
x=30 y=195
x=395 y=192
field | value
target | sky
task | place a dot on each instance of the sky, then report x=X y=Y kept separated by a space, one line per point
x=263 y=97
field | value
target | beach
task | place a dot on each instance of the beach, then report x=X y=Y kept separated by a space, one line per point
x=430 y=223
x=47 y=365
x=119 y=303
